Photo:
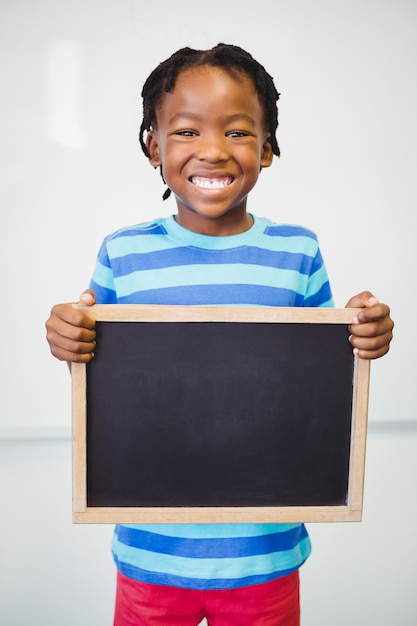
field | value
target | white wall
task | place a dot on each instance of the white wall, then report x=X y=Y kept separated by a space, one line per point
x=72 y=171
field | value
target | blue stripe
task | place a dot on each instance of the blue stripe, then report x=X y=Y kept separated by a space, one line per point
x=151 y=228
x=103 y=257
x=103 y=295
x=188 y=256
x=230 y=547
x=322 y=298
x=190 y=275
x=210 y=531
x=256 y=295
x=199 y=583
x=289 y=230
x=317 y=263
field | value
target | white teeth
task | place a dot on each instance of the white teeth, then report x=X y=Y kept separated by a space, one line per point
x=211 y=183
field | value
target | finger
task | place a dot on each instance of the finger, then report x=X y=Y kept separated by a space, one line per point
x=371 y=347
x=71 y=357
x=364 y=299
x=371 y=354
x=88 y=297
x=70 y=322
x=79 y=319
x=68 y=335
x=68 y=314
x=77 y=349
x=374 y=320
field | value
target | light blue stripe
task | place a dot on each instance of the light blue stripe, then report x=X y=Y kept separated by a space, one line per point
x=131 y=244
x=186 y=237
x=132 y=571
x=104 y=276
x=135 y=243
x=213 y=531
x=218 y=274
x=212 y=568
x=315 y=282
x=326 y=305
x=148 y=237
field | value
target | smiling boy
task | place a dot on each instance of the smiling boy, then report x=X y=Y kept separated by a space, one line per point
x=210 y=119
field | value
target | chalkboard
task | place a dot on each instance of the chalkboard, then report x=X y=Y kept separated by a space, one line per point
x=214 y=414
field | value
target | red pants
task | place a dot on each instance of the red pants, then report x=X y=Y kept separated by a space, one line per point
x=271 y=604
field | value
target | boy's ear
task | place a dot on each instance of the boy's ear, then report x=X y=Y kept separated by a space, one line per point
x=153 y=149
x=267 y=154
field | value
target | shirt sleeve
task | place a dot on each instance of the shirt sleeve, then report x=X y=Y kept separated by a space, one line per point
x=102 y=281
x=318 y=292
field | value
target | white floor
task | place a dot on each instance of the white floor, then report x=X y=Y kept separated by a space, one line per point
x=54 y=572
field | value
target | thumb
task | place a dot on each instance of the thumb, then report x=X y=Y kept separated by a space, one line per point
x=88 y=297
x=364 y=299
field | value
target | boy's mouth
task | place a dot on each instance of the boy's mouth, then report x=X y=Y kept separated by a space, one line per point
x=211 y=183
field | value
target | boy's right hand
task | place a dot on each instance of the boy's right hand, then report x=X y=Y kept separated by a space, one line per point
x=70 y=332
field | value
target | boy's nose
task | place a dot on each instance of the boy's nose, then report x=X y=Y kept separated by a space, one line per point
x=212 y=149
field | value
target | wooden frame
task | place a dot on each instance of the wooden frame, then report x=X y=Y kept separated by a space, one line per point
x=350 y=510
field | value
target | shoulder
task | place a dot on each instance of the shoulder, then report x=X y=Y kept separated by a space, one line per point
x=289 y=238
x=155 y=227
x=131 y=239
x=275 y=229
x=143 y=237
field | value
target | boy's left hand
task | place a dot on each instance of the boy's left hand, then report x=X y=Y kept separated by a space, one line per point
x=371 y=332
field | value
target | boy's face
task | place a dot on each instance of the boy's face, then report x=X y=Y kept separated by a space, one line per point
x=211 y=141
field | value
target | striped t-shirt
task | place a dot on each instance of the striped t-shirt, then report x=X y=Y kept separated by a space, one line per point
x=161 y=262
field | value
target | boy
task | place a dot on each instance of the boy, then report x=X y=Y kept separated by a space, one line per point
x=209 y=124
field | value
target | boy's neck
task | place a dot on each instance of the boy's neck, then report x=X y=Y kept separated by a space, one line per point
x=225 y=226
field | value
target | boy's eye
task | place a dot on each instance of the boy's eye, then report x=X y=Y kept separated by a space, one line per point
x=237 y=133
x=186 y=133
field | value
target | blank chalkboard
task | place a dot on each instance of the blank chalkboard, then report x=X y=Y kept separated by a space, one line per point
x=219 y=414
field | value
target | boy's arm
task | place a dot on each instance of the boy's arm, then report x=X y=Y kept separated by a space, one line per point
x=70 y=332
x=371 y=332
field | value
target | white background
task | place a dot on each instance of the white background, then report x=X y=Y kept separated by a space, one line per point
x=72 y=171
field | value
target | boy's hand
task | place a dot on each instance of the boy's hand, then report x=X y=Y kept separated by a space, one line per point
x=70 y=332
x=371 y=332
